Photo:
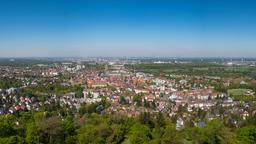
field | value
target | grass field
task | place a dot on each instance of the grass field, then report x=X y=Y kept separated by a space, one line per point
x=240 y=94
x=196 y=68
x=237 y=91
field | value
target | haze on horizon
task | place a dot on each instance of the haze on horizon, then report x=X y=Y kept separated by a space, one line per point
x=175 y=28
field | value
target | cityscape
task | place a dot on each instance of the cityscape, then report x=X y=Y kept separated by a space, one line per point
x=123 y=88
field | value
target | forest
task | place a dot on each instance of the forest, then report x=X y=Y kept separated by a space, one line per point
x=91 y=126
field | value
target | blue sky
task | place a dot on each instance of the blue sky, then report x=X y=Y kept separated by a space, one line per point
x=174 y=28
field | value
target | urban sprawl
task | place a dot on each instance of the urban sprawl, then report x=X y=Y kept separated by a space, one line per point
x=125 y=90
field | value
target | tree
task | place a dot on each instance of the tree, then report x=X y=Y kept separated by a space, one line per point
x=50 y=128
x=137 y=100
x=7 y=126
x=246 y=135
x=146 y=119
x=157 y=134
x=146 y=103
x=68 y=130
x=170 y=134
x=138 y=134
x=122 y=100
x=12 y=140
x=215 y=132
x=32 y=133
x=193 y=134
x=160 y=120
x=118 y=134
x=78 y=89
x=94 y=134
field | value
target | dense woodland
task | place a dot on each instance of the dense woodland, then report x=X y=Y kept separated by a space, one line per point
x=91 y=126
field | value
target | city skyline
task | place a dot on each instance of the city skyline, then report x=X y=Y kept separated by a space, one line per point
x=127 y=28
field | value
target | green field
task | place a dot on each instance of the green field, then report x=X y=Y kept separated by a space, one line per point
x=196 y=68
x=240 y=94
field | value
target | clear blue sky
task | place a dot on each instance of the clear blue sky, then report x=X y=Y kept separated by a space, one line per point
x=175 y=28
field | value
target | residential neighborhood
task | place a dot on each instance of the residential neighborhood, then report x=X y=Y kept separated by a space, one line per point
x=127 y=92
